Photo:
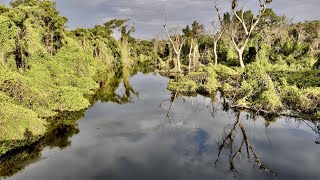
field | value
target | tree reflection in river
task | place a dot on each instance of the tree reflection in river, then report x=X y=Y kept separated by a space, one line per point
x=229 y=142
x=126 y=141
x=65 y=126
x=18 y=159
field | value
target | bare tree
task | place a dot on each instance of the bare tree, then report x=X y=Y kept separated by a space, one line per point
x=177 y=41
x=216 y=36
x=190 y=54
x=241 y=36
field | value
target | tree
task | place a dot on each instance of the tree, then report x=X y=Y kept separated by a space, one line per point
x=54 y=26
x=7 y=37
x=177 y=41
x=193 y=35
x=122 y=26
x=216 y=36
x=240 y=28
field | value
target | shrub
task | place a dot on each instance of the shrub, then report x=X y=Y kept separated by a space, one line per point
x=184 y=85
x=16 y=121
x=68 y=99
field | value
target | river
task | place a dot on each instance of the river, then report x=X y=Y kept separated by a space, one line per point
x=142 y=134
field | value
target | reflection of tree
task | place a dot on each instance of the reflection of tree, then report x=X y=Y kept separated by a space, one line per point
x=315 y=126
x=64 y=126
x=110 y=83
x=58 y=136
x=228 y=142
x=126 y=97
x=171 y=100
x=17 y=160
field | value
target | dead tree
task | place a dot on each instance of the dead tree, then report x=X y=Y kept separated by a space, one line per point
x=241 y=36
x=193 y=34
x=176 y=41
x=193 y=54
x=216 y=36
x=190 y=54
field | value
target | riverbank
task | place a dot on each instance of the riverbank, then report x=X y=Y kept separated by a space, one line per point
x=47 y=70
x=192 y=135
x=260 y=87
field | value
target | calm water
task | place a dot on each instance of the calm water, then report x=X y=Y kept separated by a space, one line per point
x=136 y=136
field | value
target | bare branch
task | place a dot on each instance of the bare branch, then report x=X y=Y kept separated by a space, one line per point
x=241 y=19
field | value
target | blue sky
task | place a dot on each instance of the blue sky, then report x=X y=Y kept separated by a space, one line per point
x=147 y=15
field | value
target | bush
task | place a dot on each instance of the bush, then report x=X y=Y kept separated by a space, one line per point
x=185 y=85
x=68 y=99
x=310 y=100
x=258 y=90
x=16 y=121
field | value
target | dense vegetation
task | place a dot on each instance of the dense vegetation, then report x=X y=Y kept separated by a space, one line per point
x=47 y=70
x=261 y=62
x=278 y=71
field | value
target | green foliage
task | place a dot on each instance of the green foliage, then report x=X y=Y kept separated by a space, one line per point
x=7 y=37
x=68 y=99
x=227 y=74
x=301 y=78
x=185 y=85
x=211 y=85
x=46 y=70
x=17 y=121
x=305 y=101
x=258 y=90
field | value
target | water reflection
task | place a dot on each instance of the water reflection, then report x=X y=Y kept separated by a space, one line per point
x=17 y=160
x=64 y=126
x=166 y=135
x=229 y=144
x=109 y=83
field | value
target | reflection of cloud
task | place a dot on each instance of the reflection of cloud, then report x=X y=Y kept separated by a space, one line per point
x=126 y=146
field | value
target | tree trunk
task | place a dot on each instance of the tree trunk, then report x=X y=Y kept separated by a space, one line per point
x=178 y=63
x=240 y=56
x=195 y=56
x=51 y=52
x=215 y=54
x=190 y=55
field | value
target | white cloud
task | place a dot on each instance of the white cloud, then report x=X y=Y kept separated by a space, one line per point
x=148 y=14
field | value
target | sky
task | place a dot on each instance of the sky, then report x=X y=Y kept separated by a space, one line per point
x=148 y=15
